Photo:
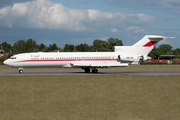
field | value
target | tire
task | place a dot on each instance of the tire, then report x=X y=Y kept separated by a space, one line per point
x=20 y=71
x=95 y=71
x=87 y=70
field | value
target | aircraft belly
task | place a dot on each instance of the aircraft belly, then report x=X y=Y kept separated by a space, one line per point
x=99 y=64
x=42 y=64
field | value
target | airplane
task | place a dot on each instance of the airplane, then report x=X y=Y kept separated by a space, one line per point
x=121 y=57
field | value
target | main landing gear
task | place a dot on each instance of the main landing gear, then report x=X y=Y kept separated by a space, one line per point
x=87 y=70
x=94 y=70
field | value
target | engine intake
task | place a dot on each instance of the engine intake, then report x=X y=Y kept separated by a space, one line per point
x=145 y=58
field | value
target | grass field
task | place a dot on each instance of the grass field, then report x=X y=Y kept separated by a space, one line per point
x=90 y=97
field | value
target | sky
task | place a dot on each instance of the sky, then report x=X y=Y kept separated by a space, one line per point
x=82 y=21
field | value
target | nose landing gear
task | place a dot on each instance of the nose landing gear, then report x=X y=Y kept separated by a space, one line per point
x=20 y=70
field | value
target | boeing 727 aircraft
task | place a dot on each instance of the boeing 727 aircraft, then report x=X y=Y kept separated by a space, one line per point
x=121 y=57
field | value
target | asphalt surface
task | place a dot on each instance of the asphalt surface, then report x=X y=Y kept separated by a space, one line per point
x=101 y=72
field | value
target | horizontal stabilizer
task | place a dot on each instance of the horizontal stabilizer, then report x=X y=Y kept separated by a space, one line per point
x=161 y=37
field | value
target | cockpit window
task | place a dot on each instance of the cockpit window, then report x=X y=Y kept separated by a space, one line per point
x=12 y=57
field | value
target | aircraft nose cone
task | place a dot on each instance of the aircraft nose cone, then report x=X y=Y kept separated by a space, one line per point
x=8 y=63
x=5 y=62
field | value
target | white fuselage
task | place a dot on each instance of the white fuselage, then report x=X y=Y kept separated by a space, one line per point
x=65 y=59
x=122 y=57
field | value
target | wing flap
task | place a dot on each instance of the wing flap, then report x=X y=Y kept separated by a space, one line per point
x=99 y=65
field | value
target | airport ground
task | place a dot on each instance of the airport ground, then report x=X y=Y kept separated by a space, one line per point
x=131 y=70
x=79 y=97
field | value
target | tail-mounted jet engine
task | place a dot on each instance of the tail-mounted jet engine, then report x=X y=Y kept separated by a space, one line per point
x=128 y=58
x=145 y=58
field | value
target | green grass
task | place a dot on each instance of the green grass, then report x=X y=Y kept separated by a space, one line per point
x=90 y=97
x=1 y=63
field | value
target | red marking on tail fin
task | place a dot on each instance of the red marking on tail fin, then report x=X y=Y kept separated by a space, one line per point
x=150 y=43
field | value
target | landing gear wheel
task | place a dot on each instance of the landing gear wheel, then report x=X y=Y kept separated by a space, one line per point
x=87 y=70
x=95 y=71
x=20 y=71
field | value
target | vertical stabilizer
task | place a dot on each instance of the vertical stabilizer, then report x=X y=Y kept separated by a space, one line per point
x=146 y=44
x=142 y=47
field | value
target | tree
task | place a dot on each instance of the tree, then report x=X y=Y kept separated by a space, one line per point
x=30 y=45
x=23 y=46
x=42 y=47
x=83 y=47
x=60 y=49
x=1 y=48
x=114 y=42
x=153 y=54
x=176 y=52
x=163 y=49
x=50 y=48
x=99 y=45
x=54 y=47
x=66 y=48
x=69 y=48
x=6 y=47
x=19 y=46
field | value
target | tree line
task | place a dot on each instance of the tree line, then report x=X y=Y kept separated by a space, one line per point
x=25 y=46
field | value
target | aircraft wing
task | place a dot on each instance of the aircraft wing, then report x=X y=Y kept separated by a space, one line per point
x=98 y=64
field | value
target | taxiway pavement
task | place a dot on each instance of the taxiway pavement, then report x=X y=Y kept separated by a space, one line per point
x=101 y=72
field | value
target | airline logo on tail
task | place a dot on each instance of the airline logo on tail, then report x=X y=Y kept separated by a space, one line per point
x=150 y=43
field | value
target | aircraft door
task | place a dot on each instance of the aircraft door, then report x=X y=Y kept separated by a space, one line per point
x=119 y=58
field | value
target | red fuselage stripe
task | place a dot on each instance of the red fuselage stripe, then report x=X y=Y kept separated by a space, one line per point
x=68 y=60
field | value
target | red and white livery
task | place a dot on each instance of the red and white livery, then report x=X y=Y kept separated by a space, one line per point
x=121 y=57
